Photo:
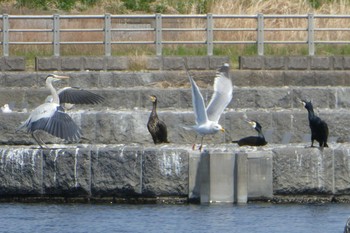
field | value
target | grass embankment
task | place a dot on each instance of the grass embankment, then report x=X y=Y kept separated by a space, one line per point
x=241 y=7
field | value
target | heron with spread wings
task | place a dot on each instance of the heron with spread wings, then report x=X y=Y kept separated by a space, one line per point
x=51 y=117
x=207 y=118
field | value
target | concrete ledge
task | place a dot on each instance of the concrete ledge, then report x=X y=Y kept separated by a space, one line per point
x=124 y=63
x=222 y=174
x=294 y=63
x=12 y=63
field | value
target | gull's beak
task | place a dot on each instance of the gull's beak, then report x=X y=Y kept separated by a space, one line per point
x=222 y=130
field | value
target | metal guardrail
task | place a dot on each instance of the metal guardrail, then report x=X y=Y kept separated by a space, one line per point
x=111 y=34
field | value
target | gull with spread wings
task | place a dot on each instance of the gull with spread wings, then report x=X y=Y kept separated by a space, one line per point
x=207 y=119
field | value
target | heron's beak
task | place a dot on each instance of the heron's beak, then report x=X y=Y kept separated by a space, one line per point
x=61 y=76
x=222 y=130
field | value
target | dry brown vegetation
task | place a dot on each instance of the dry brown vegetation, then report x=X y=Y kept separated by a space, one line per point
x=240 y=7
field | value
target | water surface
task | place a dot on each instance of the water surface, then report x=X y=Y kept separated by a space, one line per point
x=260 y=218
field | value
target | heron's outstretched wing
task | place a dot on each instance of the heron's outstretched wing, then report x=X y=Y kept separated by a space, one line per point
x=198 y=103
x=60 y=124
x=75 y=95
x=222 y=94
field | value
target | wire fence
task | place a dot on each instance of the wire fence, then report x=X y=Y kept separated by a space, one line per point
x=158 y=31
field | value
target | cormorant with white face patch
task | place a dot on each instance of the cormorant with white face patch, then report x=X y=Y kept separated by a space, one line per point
x=253 y=140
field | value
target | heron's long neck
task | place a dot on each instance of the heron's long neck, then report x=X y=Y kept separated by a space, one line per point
x=55 y=98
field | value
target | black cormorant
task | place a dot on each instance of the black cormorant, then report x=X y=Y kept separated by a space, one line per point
x=253 y=140
x=156 y=127
x=319 y=128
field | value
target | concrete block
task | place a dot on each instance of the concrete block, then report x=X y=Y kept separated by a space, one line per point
x=117 y=63
x=194 y=175
x=13 y=63
x=93 y=63
x=257 y=78
x=338 y=62
x=154 y=63
x=66 y=172
x=298 y=63
x=197 y=63
x=303 y=171
x=173 y=63
x=217 y=177
x=320 y=63
x=341 y=172
x=204 y=174
x=260 y=179
x=216 y=61
x=241 y=178
x=274 y=63
x=346 y=62
x=295 y=78
x=116 y=171
x=47 y=63
x=71 y=63
x=165 y=172
x=320 y=97
x=330 y=78
x=28 y=80
x=20 y=172
x=252 y=63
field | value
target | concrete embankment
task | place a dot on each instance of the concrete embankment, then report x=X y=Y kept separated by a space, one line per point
x=226 y=173
x=117 y=161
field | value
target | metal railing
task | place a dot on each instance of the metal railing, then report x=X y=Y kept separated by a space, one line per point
x=207 y=31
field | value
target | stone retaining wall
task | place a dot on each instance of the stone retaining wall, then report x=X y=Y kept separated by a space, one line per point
x=100 y=172
x=294 y=62
x=125 y=63
x=79 y=63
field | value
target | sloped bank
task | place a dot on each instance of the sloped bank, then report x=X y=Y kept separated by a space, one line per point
x=172 y=173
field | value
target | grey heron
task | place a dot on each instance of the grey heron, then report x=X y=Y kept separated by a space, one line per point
x=155 y=126
x=51 y=118
x=207 y=118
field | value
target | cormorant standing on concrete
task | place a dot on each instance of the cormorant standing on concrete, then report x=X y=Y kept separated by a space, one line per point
x=319 y=128
x=253 y=140
x=156 y=127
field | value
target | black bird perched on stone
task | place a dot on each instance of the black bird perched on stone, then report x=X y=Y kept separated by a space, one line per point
x=156 y=127
x=253 y=140
x=319 y=128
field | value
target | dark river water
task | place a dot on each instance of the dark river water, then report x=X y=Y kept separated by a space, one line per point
x=173 y=218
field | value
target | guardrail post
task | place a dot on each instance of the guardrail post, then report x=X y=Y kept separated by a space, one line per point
x=5 y=35
x=210 y=37
x=56 y=35
x=107 y=32
x=311 y=33
x=260 y=34
x=158 y=34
